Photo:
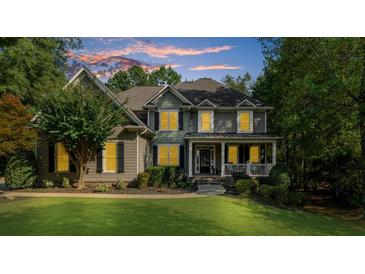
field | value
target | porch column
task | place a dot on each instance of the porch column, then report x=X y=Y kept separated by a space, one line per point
x=190 y=158
x=223 y=157
x=273 y=153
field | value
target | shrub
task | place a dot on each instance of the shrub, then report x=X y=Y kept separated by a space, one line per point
x=21 y=171
x=246 y=186
x=143 y=179
x=121 y=185
x=266 y=191
x=296 y=199
x=171 y=175
x=48 y=183
x=66 y=182
x=102 y=188
x=156 y=175
x=239 y=175
x=279 y=175
x=184 y=184
x=348 y=189
x=281 y=194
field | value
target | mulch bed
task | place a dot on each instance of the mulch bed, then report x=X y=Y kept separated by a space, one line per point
x=90 y=188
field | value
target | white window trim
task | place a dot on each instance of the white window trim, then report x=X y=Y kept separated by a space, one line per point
x=239 y=121
x=168 y=156
x=159 y=120
x=211 y=121
x=104 y=159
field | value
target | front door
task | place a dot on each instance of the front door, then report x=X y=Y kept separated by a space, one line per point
x=204 y=161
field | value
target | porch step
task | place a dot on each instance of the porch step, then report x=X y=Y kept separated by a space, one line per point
x=210 y=189
x=207 y=180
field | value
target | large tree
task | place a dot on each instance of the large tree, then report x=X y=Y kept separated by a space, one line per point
x=31 y=67
x=241 y=83
x=137 y=76
x=313 y=83
x=15 y=133
x=82 y=120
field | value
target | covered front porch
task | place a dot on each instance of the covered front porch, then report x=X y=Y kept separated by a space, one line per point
x=225 y=156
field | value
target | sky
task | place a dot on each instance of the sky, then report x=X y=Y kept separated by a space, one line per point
x=193 y=58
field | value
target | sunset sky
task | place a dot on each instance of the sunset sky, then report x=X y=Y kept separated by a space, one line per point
x=193 y=58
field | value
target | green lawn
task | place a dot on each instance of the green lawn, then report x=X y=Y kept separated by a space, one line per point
x=194 y=216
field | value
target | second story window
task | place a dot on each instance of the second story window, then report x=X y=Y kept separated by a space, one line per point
x=169 y=120
x=244 y=121
x=206 y=120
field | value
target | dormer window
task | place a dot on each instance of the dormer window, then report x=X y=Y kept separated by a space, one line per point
x=206 y=120
x=245 y=121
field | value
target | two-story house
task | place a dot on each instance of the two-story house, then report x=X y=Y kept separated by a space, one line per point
x=201 y=126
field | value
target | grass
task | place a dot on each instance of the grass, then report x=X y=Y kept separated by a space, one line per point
x=194 y=216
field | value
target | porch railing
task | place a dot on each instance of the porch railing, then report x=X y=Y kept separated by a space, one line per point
x=249 y=169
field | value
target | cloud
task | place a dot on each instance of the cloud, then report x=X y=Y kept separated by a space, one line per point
x=215 y=67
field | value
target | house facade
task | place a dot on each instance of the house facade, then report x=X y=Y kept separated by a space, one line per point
x=201 y=126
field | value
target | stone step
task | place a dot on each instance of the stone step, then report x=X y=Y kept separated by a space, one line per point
x=210 y=189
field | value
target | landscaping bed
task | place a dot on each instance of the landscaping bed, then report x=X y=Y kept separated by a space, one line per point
x=92 y=188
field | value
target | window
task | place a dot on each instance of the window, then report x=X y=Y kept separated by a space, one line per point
x=244 y=121
x=168 y=155
x=254 y=154
x=205 y=121
x=62 y=158
x=169 y=120
x=233 y=154
x=110 y=156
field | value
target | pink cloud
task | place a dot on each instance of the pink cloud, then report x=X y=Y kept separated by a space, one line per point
x=215 y=67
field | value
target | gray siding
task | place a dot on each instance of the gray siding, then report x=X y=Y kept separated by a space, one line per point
x=193 y=126
x=130 y=163
x=259 y=122
x=225 y=121
x=144 y=154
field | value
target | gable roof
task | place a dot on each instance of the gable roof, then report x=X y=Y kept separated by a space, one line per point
x=131 y=115
x=134 y=98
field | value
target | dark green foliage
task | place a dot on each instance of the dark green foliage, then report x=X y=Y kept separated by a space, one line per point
x=239 y=175
x=281 y=194
x=240 y=83
x=171 y=175
x=280 y=176
x=21 y=171
x=184 y=184
x=137 y=76
x=246 y=186
x=143 y=179
x=102 y=188
x=267 y=192
x=33 y=66
x=348 y=189
x=156 y=175
x=297 y=198
x=313 y=85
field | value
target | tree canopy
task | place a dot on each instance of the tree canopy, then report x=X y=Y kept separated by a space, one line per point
x=313 y=84
x=30 y=67
x=81 y=119
x=241 y=83
x=137 y=76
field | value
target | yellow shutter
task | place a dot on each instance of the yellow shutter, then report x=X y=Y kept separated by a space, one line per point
x=62 y=158
x=164 y=120
x=173 y=120
x=205 y=121
x=245 y=121
x=163 y=152
x=233 y=154
x=254 y=154
x=110 y=157
x=174 y=155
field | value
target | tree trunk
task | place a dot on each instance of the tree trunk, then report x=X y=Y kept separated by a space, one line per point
x=361 y=103
x=81 y=176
